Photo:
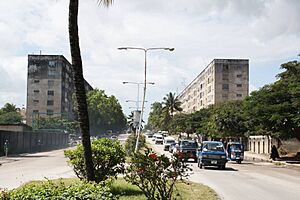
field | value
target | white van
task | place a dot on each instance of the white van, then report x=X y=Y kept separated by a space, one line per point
x=159 y=139
x=167 y=142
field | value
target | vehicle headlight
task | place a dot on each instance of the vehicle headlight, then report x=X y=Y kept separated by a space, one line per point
x=204 y=156
x=223 y=156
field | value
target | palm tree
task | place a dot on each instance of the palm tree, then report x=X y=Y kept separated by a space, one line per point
x=171 y=104
x=80 y=93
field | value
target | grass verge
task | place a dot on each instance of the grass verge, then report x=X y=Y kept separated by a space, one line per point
x=126 y=191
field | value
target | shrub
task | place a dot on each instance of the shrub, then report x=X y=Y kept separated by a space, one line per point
x=108 y=158
x=155 y=175
x=131 y=142
x=81 y=190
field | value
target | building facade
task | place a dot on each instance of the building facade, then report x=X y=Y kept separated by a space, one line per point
x=50 y=87
x=222 y=80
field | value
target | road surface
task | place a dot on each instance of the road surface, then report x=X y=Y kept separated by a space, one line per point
x=248 y=181
x=16 y=171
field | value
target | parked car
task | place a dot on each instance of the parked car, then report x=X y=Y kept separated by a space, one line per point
x=159 y=139
x=167 y=142
x=211 y=153
x=186 y=149
x=150 y=135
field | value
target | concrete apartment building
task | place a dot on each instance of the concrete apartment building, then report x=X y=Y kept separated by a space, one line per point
x=222 y=80
x=49 y=87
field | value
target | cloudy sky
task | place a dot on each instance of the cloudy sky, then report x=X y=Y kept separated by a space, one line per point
x=265 y=32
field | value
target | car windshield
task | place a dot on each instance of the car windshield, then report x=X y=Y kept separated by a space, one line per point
x=189 y=144
x=236 y=146
x=158 y=137
x=170 y=141
x=218 y=147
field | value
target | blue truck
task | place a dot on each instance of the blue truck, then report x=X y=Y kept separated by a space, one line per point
x=212 y=153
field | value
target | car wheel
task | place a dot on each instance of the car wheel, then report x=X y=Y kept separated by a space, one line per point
x=195 y=160
x=239 y=161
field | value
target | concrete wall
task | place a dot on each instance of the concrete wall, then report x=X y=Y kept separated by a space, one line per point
x=16 y=127
x=25 y=142
x=262 y=145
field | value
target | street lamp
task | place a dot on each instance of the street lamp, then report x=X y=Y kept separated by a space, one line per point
x=138 y=90
x=145 y=80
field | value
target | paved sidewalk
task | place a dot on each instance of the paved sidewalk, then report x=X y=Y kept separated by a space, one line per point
x=265 y=158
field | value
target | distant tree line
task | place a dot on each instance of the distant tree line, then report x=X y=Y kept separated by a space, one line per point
x=272 y=110
x=10 y=114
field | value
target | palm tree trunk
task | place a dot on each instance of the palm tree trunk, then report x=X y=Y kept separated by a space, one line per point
x=83 y=118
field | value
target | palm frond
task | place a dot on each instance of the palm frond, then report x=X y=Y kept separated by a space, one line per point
x=105 y=2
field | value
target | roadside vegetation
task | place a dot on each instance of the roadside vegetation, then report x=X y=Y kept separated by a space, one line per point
x=271 y=110
x=119 y=189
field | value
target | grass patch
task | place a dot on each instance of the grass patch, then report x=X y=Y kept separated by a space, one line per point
x=183 y=191
x=126 y=191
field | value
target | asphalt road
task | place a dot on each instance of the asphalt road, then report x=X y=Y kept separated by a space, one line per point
x=249 y=180
x=16 y=171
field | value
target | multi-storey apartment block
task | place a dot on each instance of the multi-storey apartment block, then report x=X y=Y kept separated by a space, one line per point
x=222 y=80
x=49 y=87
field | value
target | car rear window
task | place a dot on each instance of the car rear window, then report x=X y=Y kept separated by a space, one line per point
x=217 y=147
x=189 y=144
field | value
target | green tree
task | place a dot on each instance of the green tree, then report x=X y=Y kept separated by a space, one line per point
x=227 y=120
x=108 y=158
x=274 y=109
x=9 y=114
x=82 y=109
x=171 y=104
x=155 y=116
x=105 y=112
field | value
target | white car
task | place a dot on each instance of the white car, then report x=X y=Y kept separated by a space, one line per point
x=167 y=142
x=159 y=139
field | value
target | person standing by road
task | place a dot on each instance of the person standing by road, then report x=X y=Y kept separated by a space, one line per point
x=274 y=153
x=6 y=148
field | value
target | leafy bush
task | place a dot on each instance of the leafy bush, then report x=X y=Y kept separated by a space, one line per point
x=131 y=142
x=81 y=190
x=155 y=175
x=108 y=158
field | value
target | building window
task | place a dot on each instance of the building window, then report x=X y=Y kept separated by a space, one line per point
x=201 y=86
x=36 y=91
x=49 y=112
x=238 y=85
x=225 y=96
x=50 y=93
x=209 y=89
x=35 y=101
x=51 y=72
x=239 y=95
x=50 y=83
x=225 y=67
x=50 y=103
x=239 y=75
x=35 y=112
x=225 y=76
x=36 y=81
x=52 y=63
x=225 y=86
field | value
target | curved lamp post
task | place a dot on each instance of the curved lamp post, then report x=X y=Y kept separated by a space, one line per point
x=145 y=81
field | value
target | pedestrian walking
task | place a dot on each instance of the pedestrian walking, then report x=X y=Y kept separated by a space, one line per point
x=274 y=153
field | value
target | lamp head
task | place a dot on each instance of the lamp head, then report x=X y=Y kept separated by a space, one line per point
x=122 y=48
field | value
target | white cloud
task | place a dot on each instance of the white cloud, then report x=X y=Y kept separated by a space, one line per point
x=266 y=32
